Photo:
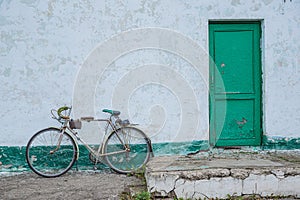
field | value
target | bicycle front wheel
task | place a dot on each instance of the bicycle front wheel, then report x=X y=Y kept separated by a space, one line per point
x=51 y=153
x=127 y=149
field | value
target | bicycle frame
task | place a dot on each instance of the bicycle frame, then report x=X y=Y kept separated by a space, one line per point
x=100 y=152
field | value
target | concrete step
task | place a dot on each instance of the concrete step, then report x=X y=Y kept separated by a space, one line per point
x=220 y=174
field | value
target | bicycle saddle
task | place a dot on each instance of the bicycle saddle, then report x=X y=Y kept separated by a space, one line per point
x=112 y=112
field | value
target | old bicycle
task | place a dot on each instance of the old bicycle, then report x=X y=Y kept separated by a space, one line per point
x=51 y=152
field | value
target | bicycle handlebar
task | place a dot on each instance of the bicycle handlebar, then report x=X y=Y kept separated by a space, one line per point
x=61 y=109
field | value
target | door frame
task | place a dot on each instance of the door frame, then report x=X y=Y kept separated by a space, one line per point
x=212 y=134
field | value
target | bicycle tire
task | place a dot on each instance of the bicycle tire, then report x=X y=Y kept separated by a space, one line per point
x=136 y=158
x=49 y=164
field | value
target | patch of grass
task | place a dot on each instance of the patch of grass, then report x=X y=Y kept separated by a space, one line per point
x=140 y=174
x=139 y=196
x=142 y=196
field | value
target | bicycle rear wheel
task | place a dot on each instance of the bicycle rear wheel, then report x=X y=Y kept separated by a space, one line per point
x=135 y=157
x=48 y=159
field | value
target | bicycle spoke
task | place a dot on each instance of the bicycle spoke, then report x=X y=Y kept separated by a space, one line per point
x=46 y=158
x=138 y=149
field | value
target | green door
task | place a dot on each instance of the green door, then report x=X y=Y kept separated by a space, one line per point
x=235 y=83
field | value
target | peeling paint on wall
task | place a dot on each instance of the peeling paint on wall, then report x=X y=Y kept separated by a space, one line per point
x=44 y=43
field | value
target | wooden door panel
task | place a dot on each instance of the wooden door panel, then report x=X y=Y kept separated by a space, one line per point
x=238 y=128
x=235 y=84
x=237 y=45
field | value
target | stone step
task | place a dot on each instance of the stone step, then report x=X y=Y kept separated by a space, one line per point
x=219 y=175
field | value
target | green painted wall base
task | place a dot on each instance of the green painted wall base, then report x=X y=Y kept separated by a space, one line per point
x=280 y=143
x=12 y=159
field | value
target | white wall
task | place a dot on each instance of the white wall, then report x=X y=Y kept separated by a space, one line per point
x=47 y=47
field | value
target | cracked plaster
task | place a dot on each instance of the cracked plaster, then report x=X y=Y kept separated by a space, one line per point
x=44 y=43
x=265 y=178
x=241 y=183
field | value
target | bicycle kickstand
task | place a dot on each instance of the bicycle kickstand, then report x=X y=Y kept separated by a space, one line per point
x=95 y=168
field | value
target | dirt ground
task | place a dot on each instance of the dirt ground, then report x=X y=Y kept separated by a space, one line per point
x=73 y=185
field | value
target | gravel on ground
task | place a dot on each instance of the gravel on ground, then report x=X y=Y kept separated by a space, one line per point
x=73 y=185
